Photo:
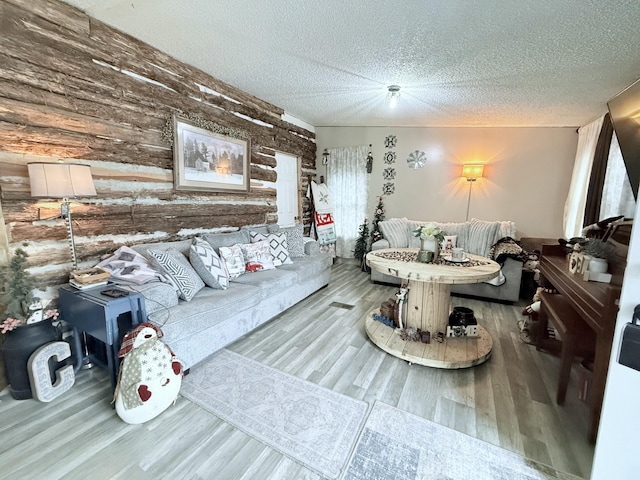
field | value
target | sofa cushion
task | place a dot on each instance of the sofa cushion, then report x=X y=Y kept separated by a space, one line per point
x=157 y=295
x=210 y=306
x=182 y=246
x=277 y=244
x=295 y=240
x=229 y=239
x=269 y=282
x=257 y=255
x=459 y=229
x=233 y=260
x=481 y=237
x=176 y=266
x=311 y=247
x=208 y=264
x=395 y=231
x=309 y=266
x=507 y=229
x=265 y=228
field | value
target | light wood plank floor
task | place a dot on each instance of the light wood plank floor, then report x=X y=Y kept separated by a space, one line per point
x=508 y=401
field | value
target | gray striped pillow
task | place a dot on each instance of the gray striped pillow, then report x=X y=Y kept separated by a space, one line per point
x=481 y=237
x=395 y=231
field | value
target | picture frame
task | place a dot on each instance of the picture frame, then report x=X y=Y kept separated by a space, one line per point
x=204 y=160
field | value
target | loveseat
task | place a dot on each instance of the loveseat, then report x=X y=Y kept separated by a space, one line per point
x=215 y=317
x=476 y=237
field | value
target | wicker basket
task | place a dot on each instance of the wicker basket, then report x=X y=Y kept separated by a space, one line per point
x=89 y=276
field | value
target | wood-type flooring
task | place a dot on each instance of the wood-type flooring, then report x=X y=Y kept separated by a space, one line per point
x=508 y=401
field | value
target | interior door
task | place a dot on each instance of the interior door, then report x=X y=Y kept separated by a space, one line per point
x=287 y=189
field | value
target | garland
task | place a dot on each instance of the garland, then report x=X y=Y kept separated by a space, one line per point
x=167 y=133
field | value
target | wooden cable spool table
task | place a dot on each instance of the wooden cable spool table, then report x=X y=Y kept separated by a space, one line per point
x=428 y=308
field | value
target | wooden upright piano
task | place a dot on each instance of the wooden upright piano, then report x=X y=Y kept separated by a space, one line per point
x=595 y=302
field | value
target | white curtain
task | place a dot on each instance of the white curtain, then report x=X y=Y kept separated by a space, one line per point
x=348 y=184
x=617 y=196
x=577 y=198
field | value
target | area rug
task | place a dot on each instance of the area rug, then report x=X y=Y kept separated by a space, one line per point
x=312 y=425
x=398 y=445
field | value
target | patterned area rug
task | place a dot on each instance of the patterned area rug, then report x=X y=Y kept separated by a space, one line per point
x=400 y=446
x=314 y=426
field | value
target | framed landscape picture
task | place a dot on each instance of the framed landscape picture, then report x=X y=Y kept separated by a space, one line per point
x=204 y=160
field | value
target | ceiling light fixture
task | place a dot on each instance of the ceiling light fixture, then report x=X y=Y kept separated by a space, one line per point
x=393 y=95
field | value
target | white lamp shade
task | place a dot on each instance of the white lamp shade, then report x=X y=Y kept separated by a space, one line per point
x=60 y=180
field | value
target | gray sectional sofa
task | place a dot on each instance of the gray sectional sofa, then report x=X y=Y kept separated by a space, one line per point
x=475 y=236
x=214 y=318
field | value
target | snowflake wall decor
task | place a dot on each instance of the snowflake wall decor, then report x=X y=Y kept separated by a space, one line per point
x=389 y=173
x=390 y=141
x=390 y=157
x=416 y=159
x=388 y=188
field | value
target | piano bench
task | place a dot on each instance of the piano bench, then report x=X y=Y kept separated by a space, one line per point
x=578 y=339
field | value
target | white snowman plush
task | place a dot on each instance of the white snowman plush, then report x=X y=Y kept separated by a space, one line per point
x=150 y=375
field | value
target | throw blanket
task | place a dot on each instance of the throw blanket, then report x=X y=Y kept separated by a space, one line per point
x=325 y=228
x=505 y=248
x=127 y=264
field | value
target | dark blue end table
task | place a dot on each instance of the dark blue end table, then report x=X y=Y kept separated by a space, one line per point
x=103 y=318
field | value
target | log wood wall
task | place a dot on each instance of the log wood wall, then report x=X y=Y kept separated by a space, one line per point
x=74 y=88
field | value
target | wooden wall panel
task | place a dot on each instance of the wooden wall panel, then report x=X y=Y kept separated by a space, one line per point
x=74 y=88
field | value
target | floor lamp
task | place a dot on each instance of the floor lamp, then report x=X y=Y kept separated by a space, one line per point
x=62 y=180
x=471 y=173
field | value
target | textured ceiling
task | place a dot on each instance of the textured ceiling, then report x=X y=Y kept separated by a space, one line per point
x=458 y=62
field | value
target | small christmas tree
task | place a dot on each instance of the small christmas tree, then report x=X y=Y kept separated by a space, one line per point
x=378 y=216
x=362 y=244
x=16 y=292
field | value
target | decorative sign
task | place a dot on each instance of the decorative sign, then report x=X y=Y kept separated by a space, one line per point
x=390 y=157
x=38 y=367
x=390 y=141
x=389 y=174
x=325 y=228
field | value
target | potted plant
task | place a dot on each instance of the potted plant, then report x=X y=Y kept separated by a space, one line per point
x=25 y=324
x=599 y=253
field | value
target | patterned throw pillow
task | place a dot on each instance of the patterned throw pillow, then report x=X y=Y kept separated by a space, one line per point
x=295 y=240
x=176 y=266
x=449 y=243
x=233 y=260
x=257 y=256
x=208 y=264
x=277 y=244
